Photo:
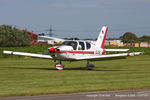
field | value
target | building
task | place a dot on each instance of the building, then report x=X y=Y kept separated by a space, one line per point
x=49 y=40
x=117 y=43
x=33 y=36
x=136 y=44
x=144 y=44
x=43 y=39
x=128 y=45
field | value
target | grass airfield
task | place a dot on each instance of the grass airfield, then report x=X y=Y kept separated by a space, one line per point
x=33 y=76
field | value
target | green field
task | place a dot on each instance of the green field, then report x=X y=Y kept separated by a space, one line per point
x=33 y=76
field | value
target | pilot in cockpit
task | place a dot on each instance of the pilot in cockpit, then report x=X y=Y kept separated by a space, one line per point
x=73 y=45
x=79 y=47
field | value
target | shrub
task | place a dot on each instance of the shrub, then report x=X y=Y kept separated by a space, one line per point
x=11 y=36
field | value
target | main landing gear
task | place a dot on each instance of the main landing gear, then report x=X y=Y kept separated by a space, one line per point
x=60 y=66
x=89 y=66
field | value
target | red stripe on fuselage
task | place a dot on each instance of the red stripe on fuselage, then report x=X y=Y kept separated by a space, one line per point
x=74 y=52
x=102 y=46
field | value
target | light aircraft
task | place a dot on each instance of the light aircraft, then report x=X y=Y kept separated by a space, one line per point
x=75 y=50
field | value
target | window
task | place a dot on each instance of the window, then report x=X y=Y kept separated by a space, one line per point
x=88 y=45
x=70 y=43
x=82 y=45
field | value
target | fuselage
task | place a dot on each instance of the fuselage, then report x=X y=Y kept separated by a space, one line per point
x=71 y=49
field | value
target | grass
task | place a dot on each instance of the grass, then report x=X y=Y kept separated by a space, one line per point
x=33 y=76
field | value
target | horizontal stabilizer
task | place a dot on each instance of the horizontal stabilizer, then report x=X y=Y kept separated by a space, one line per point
x=121 y=50
x=27 y=54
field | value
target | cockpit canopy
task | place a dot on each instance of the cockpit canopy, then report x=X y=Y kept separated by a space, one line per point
x=78 y=45
x=70 y=43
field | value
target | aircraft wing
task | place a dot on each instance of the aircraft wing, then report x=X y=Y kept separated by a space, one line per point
x=121 y=50
x=27 y=54
x=110 y=56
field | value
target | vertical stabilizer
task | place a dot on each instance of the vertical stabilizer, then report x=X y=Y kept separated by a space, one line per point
x=102 y=36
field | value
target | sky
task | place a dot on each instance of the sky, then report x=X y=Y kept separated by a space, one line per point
x=78 y=18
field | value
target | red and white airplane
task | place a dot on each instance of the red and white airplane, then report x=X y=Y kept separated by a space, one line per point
x=74 y=50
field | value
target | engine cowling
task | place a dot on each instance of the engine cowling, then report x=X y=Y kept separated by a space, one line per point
x=59 y=49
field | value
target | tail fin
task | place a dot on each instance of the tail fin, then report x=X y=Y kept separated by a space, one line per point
x=102 y=36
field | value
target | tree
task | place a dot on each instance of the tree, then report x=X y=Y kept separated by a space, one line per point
x=11 y=36
x=129 y=37
x=145 y=39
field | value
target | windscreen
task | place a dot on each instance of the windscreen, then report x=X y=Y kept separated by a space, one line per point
x=70 y=43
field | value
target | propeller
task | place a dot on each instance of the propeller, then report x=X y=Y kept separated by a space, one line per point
x=51 y=50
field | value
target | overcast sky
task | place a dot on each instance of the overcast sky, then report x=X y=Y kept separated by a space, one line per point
x=78 y=18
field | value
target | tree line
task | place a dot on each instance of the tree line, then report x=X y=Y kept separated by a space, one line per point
x=130 y=37
x=12 y=36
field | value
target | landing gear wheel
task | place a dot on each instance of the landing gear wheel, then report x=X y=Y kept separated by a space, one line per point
x=90 y=66
x=59 y=66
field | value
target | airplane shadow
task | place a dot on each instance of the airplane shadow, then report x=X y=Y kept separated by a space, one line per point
x=46 y=68
x=29 y=68
x=81 y=68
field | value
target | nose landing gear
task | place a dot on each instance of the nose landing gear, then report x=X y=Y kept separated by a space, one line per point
x=59 y=66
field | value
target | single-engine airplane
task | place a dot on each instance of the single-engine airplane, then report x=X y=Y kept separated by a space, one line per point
x=74 y=50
